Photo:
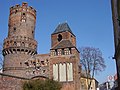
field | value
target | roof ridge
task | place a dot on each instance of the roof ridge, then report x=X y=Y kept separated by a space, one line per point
x=58 y=43
x=62 y=28
x=63 y=44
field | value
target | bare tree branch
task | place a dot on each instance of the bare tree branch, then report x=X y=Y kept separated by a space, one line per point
x=92 y=62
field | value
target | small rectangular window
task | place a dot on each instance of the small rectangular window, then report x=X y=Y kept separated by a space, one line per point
x=14 y=28
x=23 y=13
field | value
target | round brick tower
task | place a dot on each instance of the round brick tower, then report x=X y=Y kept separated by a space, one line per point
x=20 y=43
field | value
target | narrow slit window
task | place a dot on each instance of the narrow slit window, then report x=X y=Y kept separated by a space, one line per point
x=14 y=28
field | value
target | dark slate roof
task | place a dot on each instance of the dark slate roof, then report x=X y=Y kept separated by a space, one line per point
x=63 y=44
x=62 y=28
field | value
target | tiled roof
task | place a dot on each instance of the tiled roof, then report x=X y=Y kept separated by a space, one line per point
x=63 y=44
x=62 y=28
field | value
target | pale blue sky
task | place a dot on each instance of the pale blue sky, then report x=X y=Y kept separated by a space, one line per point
x=90 y=21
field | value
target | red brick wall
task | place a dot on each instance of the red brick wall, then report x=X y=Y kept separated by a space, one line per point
x=74 y=85
x=10 y=83
x=65 y=35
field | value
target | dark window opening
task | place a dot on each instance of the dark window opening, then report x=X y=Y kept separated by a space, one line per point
x=23 y=13
x=20 y=63
x=34 y=63
x=33 y=72
x=11 y=41
x=29 y=52
x=22 y=50
x=15 y=44
x=26 y=50
x=59 y=37
x=30 y=45
x=47 y=60
x=42 y=62
x=70 y=50
x=8 y=52
x=38 y=67
x=12 y=7
x=16 y=11
x=32 y=32
x=14 y=50
x=38 y=60
x=43 y=71
x=14 y=28
x=11 y=51
x=56 y=52
x=18 y=50
x=63 y=52
x=23 y=44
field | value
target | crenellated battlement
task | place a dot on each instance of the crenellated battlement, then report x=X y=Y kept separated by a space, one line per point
x=24 y=8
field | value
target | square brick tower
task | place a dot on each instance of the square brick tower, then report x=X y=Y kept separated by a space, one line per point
x=64 y=59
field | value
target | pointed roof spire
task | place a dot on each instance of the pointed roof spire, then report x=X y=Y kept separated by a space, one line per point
x=62 y=28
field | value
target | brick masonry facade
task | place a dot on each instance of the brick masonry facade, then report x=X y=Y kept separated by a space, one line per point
x=10 y=83
x=21 y=61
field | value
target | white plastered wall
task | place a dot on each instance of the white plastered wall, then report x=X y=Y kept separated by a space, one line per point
x=55 y=72
x=70 y=71
x=62 y=72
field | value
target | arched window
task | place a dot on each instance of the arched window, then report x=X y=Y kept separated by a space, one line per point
x=15 y=44
x=22 y=44
x=56 y=52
